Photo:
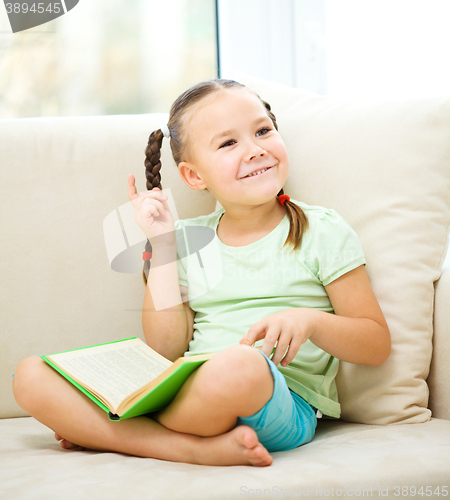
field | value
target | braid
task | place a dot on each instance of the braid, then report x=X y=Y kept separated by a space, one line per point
x=298 y=220
x=298 y=223
x=152 y=160
x=153 y=175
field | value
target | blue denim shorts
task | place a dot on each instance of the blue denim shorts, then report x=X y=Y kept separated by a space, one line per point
x=286 y=421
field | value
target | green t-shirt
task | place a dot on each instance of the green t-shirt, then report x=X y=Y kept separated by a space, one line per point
x=232 y=288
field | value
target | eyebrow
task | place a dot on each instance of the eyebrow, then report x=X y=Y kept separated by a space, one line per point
x=231 y=131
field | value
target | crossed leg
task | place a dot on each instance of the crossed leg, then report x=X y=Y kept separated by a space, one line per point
x=235 y=383
x=198 y=427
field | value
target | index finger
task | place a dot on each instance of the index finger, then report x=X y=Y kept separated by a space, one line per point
x=131 y=187
x=255 y=333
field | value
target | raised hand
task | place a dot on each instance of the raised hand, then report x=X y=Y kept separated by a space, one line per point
x=152 y=214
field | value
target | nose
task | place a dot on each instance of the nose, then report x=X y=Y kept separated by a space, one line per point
x=255 y=151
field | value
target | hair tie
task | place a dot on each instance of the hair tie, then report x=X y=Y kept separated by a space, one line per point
x=146 y=255
x=283 y=198
x=165 y=130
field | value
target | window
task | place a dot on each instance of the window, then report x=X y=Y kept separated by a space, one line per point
x=346 y=48
x=388 y=49
x=107 y=57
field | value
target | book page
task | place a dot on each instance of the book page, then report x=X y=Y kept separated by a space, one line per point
x=114 y=371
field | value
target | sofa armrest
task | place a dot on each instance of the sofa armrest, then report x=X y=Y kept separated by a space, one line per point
x=439 y=376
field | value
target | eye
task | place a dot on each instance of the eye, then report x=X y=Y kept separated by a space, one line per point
x=228 y=143
x=262 y=131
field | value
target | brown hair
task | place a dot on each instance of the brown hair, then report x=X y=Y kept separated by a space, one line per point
x=298 y=221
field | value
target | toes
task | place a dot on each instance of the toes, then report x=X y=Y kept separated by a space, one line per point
x=259 y=456
x=254 y=451
x=67 y=445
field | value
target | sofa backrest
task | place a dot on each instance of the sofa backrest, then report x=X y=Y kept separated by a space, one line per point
x=383 y=166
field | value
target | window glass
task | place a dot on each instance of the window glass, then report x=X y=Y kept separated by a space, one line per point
x=107 y=57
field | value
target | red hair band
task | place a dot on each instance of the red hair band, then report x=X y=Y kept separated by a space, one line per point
x=146 y=255
x=282 y=198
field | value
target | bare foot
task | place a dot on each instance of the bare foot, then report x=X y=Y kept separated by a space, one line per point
x=240 y=446
x=67 y=445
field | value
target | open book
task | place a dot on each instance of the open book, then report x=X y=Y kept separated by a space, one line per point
x=126 y=378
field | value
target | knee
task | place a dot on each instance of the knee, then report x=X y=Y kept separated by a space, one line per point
x=237 y=371
x=25 y=378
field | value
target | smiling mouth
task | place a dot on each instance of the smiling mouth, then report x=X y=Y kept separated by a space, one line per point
x=258 y=172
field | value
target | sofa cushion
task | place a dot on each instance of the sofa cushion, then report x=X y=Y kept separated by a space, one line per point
x=342 y=456
x=384 y=167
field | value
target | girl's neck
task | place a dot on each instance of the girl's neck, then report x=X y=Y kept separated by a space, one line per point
x=239 y=227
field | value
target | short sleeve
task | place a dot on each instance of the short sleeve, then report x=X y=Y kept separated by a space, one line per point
x=181 y=253
x=337 y=249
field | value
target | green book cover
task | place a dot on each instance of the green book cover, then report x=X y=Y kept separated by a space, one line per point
x=149 y=393
x=164 y=392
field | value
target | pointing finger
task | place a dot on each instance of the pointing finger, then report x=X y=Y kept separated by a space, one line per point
x=256 y=332
x=131 y=187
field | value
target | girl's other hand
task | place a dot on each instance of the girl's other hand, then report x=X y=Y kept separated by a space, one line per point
x=152 y=214
x=288 y=329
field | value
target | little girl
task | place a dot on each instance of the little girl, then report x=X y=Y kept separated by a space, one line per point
x=285 y=273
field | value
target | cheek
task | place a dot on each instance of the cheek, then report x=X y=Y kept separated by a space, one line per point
x=280 y=151
x=226 y=165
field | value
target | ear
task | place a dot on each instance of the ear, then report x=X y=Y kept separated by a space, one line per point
x=190 y=177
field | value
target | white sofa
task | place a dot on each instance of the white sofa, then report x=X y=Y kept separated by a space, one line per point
x=385 y=167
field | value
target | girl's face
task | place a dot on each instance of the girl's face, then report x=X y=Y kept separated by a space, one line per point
x=234 y=150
